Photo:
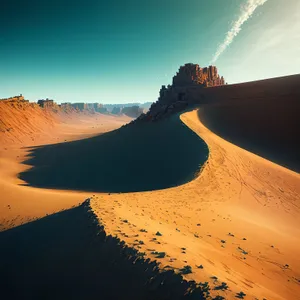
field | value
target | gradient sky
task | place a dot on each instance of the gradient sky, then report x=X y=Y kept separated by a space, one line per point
x=123 y=51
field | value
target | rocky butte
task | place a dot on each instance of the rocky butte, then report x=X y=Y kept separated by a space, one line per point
x=187 y=88
x=17 y=99
x=48 y=103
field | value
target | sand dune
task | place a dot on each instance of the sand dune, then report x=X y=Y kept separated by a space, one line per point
x=68 y=256
x=235 y=226
x=260 y=116
x=239 y=220
x=26 y=124
x=135 y=158
x=20 y=204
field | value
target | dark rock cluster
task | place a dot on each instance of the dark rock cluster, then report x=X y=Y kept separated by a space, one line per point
x=187 y=88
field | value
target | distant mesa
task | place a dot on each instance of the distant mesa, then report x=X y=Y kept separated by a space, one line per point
x=101 y=109
x=132 y=110
x=46 y=103
x=19 y=98
x=116 y=110
x=187 y=88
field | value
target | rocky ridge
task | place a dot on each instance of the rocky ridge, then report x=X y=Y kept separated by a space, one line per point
x=187 y=88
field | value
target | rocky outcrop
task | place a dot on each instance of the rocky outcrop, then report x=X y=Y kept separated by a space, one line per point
x=101 y=109
x=116 y=110
x=79 y=106
x=187 y=88
x=66 y=106
x=19 y=98
x=132 y=111
x=46 y=103
x=193 y=74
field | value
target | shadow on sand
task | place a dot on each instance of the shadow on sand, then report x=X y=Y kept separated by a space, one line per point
x=261 y=117
x=68 y=256
x=140 y=157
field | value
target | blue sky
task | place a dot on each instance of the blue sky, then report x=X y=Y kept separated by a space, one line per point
x=123 y=51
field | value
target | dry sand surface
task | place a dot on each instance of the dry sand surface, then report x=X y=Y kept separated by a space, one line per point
x=132 y=158
x=31 y=126
x=235 y=226
x=260 y=116
x=238 y=222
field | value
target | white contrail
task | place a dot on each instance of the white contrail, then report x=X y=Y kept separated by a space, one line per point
x=246 y=12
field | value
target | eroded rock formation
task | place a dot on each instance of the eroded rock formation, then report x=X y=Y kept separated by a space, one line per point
x=19 y=98
x=46 y=103
x=132 y=111
x=187 y=88
x=193 y=74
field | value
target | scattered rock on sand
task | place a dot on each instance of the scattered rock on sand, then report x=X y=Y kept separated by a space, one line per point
x=186 y=270
x=240 y=295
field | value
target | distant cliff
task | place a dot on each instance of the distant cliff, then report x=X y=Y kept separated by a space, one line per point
x=21 y=120
x=14 y=99
x=132 y=111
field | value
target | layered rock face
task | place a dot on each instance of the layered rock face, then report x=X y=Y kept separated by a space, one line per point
x=132 y=111
x=116 y=110
x=46 y=103
x=187 y=88
x=79 y=106
x=193 y=74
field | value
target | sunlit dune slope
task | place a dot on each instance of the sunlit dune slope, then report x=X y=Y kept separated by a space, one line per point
x=18 y=203
x=235 y=225
x=237 y=222
x=68 y=256
x=20 y=121
x=23 y=123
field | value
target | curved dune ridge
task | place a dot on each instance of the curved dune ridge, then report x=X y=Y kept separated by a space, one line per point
x=235 y=224
x=68 y=256
x=260 y=116
x=24 y=123
x=135 y=158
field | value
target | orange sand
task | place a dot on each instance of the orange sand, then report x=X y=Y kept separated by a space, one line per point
x=239 y=218
x=32 y=126
x=254 y=200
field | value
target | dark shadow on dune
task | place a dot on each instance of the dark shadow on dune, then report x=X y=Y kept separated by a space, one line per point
x=268 y=127
x=68 y=256
x=139 y=157
x=260 y=116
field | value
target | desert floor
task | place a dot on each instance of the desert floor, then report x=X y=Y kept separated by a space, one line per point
x=236 y=225
x=20 y=203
